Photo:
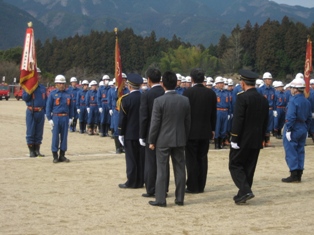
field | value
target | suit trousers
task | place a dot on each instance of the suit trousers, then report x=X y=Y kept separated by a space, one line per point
x=134 y=164
x=178 y=162
x=196 y=164
x=242 y=164
x=150 y=171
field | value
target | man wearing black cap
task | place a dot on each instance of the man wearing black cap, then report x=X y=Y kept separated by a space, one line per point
x=128 y=129
x=248 y=130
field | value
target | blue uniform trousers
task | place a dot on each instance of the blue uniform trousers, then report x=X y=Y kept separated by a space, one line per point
x=83 y=114
x=270 y=125
x=279 y=121
x=294 y=149
x=105 y=116
x=221 y=124
x=93 y=115
x=60 y=133
x=115 y=122
x=34 y=126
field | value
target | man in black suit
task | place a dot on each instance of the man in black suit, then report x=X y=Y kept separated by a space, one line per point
x=169 y=129
x=203 y=121
x=128 y=129
x=248 y=130
x=147 y=100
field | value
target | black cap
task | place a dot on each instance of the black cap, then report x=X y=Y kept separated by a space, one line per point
x=134 y=79
x=248 y=75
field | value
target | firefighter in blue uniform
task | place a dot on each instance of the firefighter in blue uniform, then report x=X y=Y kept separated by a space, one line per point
x=73 y=89
x=114 y=112
x=178 y=88
x=298 y=119
x=92 y=109
x=81 y=106
x=223 y=112
x=269 y=93
x=103 y=106
x=129 y=128
x=35 y=118
x=280 y=112
x=59 y=112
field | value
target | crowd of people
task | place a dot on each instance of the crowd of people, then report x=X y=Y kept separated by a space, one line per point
x=170 y=115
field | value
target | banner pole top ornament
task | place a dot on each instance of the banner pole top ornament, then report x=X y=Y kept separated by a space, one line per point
x=30 y=24
x=116 y=30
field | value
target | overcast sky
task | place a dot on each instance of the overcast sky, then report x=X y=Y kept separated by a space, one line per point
x=305 y=3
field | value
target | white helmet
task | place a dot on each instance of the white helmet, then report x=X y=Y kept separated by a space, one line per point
x=219 y=79
x=124 y=75
x=179 y=77
x=210 y=79
x=208 y=82
x=60 y=79
x=93 y=83
x=279 y=84
x=230 y=82
x=299 y=75
x=38 y=70
x=259 y=82
x=145 y=80
x=73 y=79
x=105 y=77
x=275 y=84
x=225 y=81
x=183 y=79
x=114 y=80
x=85 y=82
x=101 y=83
x=188 y=78
x=110 y=83
x=297 y=83
x=312 y=81
x=267 y=75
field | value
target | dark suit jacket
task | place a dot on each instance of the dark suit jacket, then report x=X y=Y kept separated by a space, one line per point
x=250 y=119
x=203 y=111
x=171 y=121
x=146 y=108
x=129 y=116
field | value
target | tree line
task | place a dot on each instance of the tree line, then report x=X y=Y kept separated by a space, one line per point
x=277 y=47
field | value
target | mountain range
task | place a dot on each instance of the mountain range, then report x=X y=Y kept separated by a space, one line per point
x=194 y=21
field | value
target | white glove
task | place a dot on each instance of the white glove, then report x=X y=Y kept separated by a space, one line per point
x=121 y=139
x=313 y=115
x=228 y=117
x=51 y=123
x=78 y=111
x=100 y=110
x=88 y=110
x=275 y=113
x=288 y=135
x=110 y=112
x=231 y=116
x=234 y=145
x=70 y=121
x=142 y=142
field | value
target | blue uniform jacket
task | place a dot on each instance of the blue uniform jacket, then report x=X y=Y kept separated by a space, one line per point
x=59 y=102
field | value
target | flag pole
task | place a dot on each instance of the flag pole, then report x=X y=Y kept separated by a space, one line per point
x=308 y=67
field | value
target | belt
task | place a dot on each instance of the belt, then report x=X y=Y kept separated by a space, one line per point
x=93 y=105
x=281 y=107
x=60 y=114
x=105 y=102
x=82 y=104
x=270 y=108
x=35 y=109
x=221 y=109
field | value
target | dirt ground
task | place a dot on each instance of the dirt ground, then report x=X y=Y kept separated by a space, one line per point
x=83 y=197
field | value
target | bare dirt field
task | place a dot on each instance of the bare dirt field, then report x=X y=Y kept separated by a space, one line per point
x=83 y=197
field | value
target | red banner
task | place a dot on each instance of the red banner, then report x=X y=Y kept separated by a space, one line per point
x=118 y=69
x=28 y=70
x=308 y=68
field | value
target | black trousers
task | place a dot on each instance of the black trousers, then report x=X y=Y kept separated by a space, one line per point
x=134 y=164
x=242 y=164
x=196 y=164
x=150 y=171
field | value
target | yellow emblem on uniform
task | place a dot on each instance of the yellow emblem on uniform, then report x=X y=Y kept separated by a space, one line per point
x=119 y=103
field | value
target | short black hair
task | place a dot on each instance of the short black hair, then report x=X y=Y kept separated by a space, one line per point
x=153 y=74
x=197 y=75
x=249 y=82
x=169 y=80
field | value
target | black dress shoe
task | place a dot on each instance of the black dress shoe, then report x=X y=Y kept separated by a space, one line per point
x=189 y=191
x=240 y=200
x=123 y=186
x=148 y=195
x=154 y=203
x=179 y=203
